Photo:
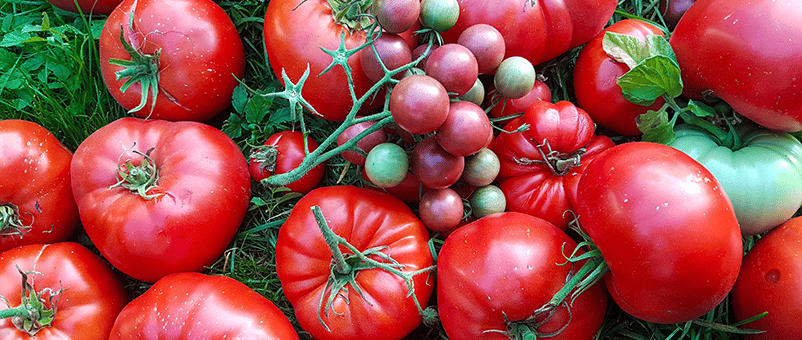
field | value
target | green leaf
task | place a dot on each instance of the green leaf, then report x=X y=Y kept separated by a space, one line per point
x=658 y=45
x=650 y=79
x=233 y=126
x=624 y=48
x=15 y=38
x=239 y=98
x=257 y=109
x=700 y=109
x=656 y=127
x=281 y=115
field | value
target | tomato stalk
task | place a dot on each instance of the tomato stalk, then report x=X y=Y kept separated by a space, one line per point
x=33 y=313
x=10 y=221
x=346 y=266
x=138 y=179
x=559 y=163
x=142 y=69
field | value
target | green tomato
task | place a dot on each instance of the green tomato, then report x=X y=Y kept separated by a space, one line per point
x=386 y=165
x=439 y=15
x=487 y=200
x=763 y=178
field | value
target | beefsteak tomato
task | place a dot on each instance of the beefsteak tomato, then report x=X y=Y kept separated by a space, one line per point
x=36 y=204
x=159 y=197
x=193 y=306
x=346 y=295
x=75 y=293
x=744 y=52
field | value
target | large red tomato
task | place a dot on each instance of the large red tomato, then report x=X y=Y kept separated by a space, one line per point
x=536 y=30
x=183 y=196
x=193 y=305
x=771 y=281
x=36 y=204
x=87 y=6
x=373 y=302
x=595 y=76
x=504 y=267
x=665 y=228
x=191 y=50
x=80 y=289
x=541 y=166
x=746 y=53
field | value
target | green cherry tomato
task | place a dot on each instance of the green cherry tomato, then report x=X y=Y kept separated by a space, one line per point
x=386 y=165
x=487 y=200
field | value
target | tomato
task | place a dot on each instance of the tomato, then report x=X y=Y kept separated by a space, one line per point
x=454 y=66
x=182 y=219
x=665 y=228
x=36 y=204
x=732 y=49
x=673 y=10
x=365 y=144
x=373 y=303
x=194 y=56
x=387 y=165
x=486 y=44
x=466 y=129
x=419 y=104
x=435 y=167
x=441 y=210
x=503 y=267
x=506 y=106
x=393 y=52
x=514 y=78
x=190 y=305
x=284 y=151
x=536 y=30
x=540 y=168
x=771 y=281
x=396 y=16
x=762 y=176
x=87 y=292
x=103 y=7
x=409 y=190
x=595 y=76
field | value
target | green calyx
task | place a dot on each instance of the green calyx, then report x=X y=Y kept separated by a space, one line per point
x=10 y=221
x=266 y=155
x=352 y=13
x=138 y=179
x=142 y=69
x=34 y=312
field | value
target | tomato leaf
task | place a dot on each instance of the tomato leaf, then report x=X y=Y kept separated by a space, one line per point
x=625 y=48
x=656 y=127
x=239 y=98
x=700 y=109
x=653 y=77
x=658 y=45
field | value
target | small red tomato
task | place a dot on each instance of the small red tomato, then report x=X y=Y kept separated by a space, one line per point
x=419 y=104
x=454 y=66
x=465 y=130
x=282 y=152
x=435 y=167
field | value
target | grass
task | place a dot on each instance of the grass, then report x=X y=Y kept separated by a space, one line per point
x=49 y=74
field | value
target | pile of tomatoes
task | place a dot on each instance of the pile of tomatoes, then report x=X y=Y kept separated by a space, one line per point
x=484 y=205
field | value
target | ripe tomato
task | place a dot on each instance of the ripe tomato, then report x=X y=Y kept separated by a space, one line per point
x=36 y=204
x=770 y=282
x=87 y=292
x=184 y=218
x=536 y=30
x=284 y=151
x=103 y=7
x=540 y=168
x=191 y=305
x=503 y=267
x=595 y=76
x=374 y=302
x=197 y=57
x=507 y=107
x=744 y=52
x=665 y=228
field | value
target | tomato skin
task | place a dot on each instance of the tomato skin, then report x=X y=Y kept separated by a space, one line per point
x=290 y=147
x=507 y=107
x=509 y=263
x=103 y=7
x=366 y=219
x=771 y=281
x=665 y=228
x=205 y=183
x=595 y=75
x=187 y=305
x=201 y=53
x=730 y=48
x=539 y=30
x=91 y=300
x=35 y=172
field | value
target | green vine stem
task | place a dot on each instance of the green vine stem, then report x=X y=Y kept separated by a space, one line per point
x=11 y=221
x=142 y=69
x=33 y=314
x=346 y=266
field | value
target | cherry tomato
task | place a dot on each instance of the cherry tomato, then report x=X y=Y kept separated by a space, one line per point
x=419 y=104
x=393 y=52
x=284 y=151
x=454 y=66
x=465 y=130
x=486 y=44
x=435 y=167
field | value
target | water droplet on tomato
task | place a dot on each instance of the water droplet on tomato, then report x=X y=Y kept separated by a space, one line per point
x=773 y=276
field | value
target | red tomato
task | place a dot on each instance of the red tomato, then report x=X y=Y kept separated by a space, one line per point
x=536 y=30
x=595 y=76
x=744 y=51
x=103 y=7
x=199 y=57
x=188 y=214
x=665 y=228
x=375 y=303
x=409 y=190
x=87 y=292
x=546 y=187
x=506 y=107
x=771 y=281
x=507 y=265
x=192 y=305
x=286 y=152
x=36 y=204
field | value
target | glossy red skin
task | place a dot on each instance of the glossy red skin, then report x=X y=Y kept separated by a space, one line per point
x=365 y=144
x=454 y=66
x=103 y=7
x=201 y=59
x=465 y=130
x=731 y=48
x=409 y=190
x=435 y=167
x=486 y=44
x=533 y=188
x=290 y=147
x=206 y=189
x=366 y=219
x=35 y=172
x=191 y=305
x=441 y=210
x=771 y=281
x=506 y=107
x=91 y=300
x=394 y=53
x=673 y=10
x=509 y=263
x=419 y=104
x=665 y=228
x=536 y=30
x=595 y=76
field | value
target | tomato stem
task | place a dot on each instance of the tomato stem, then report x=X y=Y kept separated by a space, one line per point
x=11 y=222
x=138 y=179
x=142 y=69
x=33 y=314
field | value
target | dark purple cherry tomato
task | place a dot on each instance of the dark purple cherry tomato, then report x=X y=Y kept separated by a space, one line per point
x=465 y=130
x=419 y=104
x=454 y=66
x=396 y=16
x=393 y=51
x=435 y=167
x=487 y=45
x=441 y=210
